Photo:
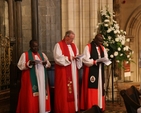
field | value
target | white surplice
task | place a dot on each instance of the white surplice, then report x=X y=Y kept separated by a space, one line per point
x=39 y=69
x=60 y=59
x=89 y=62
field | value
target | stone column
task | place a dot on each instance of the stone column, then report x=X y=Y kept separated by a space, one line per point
x=34 y=13
x=19 y=28
x=11 y=20
x=2 y=17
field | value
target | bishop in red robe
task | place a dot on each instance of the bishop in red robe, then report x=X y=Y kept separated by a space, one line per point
x=66 y=75
x=92 y=91
x=34 y=96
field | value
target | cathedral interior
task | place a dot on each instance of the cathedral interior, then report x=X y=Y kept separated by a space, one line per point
x=47 y=21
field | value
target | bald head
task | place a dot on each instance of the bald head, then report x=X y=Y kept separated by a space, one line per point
x=68 y=33
x=69 y=36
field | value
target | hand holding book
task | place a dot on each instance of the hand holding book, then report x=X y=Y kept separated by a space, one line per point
x=79 y=56
x=106 y=61
x=38 y=61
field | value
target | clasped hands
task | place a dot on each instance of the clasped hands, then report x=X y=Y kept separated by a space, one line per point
x=74 y=58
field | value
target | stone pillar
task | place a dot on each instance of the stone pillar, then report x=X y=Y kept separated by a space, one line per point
x=2 y=17
x=94 y=17
x=19 y=28
x=11 y=20
x=34 y=10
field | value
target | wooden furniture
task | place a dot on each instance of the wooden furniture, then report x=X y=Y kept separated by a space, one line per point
x=131 y=97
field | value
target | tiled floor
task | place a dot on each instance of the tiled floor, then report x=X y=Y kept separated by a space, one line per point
x=115 y=107
x=111 y=107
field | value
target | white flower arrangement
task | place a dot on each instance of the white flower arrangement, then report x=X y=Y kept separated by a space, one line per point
x=115 y=40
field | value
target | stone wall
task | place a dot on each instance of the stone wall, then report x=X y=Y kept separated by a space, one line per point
x=49 y=24
x=49 y=12
x=82 y=17
x=26 y=23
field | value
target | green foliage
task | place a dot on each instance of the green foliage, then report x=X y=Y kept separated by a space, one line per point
x=115 y=40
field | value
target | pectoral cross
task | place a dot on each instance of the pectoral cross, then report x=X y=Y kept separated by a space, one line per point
x=69 y=86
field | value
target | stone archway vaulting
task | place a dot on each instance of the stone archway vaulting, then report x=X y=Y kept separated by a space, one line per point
x=133 y=29
x=134 y=21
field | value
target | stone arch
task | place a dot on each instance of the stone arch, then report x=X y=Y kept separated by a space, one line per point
x=133 y=29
